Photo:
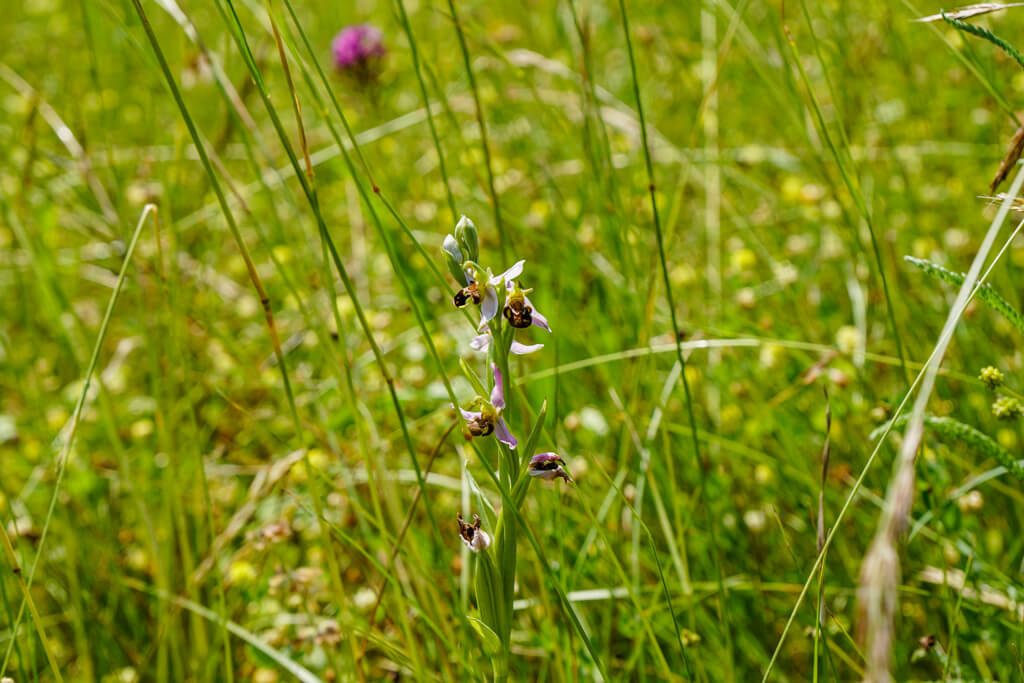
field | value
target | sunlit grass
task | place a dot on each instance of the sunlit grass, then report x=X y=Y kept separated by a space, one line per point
x=229 y=354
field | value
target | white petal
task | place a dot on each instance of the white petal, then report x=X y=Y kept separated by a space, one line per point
x=523 y=349
x=481 y=539
x=510 y=274
x=481 y=342
x=452 y=247
x=489 y=306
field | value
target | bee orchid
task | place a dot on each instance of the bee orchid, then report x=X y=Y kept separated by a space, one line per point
x=489 y=307
x=519 y=311
x=487 y=420
x=548 y=466
x=475 y=538
x=481 y=286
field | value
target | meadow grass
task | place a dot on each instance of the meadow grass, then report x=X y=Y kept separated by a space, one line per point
x=229 y=354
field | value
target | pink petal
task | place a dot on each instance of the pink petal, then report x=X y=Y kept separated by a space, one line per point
x=502 y=434
x=538 y=318
x=498 y=392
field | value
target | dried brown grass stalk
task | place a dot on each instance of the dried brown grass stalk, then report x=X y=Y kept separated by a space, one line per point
x=880 y=573
x=1012 y=155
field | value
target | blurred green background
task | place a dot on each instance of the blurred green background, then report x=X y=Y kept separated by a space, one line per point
x=192 y=495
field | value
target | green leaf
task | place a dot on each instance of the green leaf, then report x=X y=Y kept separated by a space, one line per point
x=492 y=645
x=523 y=484
x=538 y=427
x=478 y=386
x=488 y=594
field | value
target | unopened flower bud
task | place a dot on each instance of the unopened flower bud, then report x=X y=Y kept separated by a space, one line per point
x=1006 y=408
x=991 y=377
x=468 y=239
x=454 y=257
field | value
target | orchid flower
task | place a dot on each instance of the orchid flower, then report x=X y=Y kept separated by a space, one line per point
x=489 y=306
x=482 y=342
x=548 y=466
x=475 y=538
x=519 y=311
x=488 y=419
x=481 y=287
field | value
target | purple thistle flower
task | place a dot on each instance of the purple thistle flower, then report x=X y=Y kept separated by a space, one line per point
x=356 y=47
x=548 y=466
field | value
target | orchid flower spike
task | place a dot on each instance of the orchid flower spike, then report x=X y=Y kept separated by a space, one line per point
x=489 y=307
x=548 y=466
x=519 y=311
x=481 y=287
x=488 y=419
x=475 y=538
x=482 y=342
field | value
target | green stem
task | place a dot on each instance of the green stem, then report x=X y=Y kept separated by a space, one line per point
x=65 y=454
x=698 y=460
x=848 y=180
x=483 y=128
x=414 y=49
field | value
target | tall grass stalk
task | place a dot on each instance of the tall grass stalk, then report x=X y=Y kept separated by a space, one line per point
x=971 y=285
x=900 y=494
x=698 y=460
x=308 y=190
x=848 y=175
x=482 y=125
x=414 y=52
x=64 y=456
x=225 y=207
x=307 y=183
